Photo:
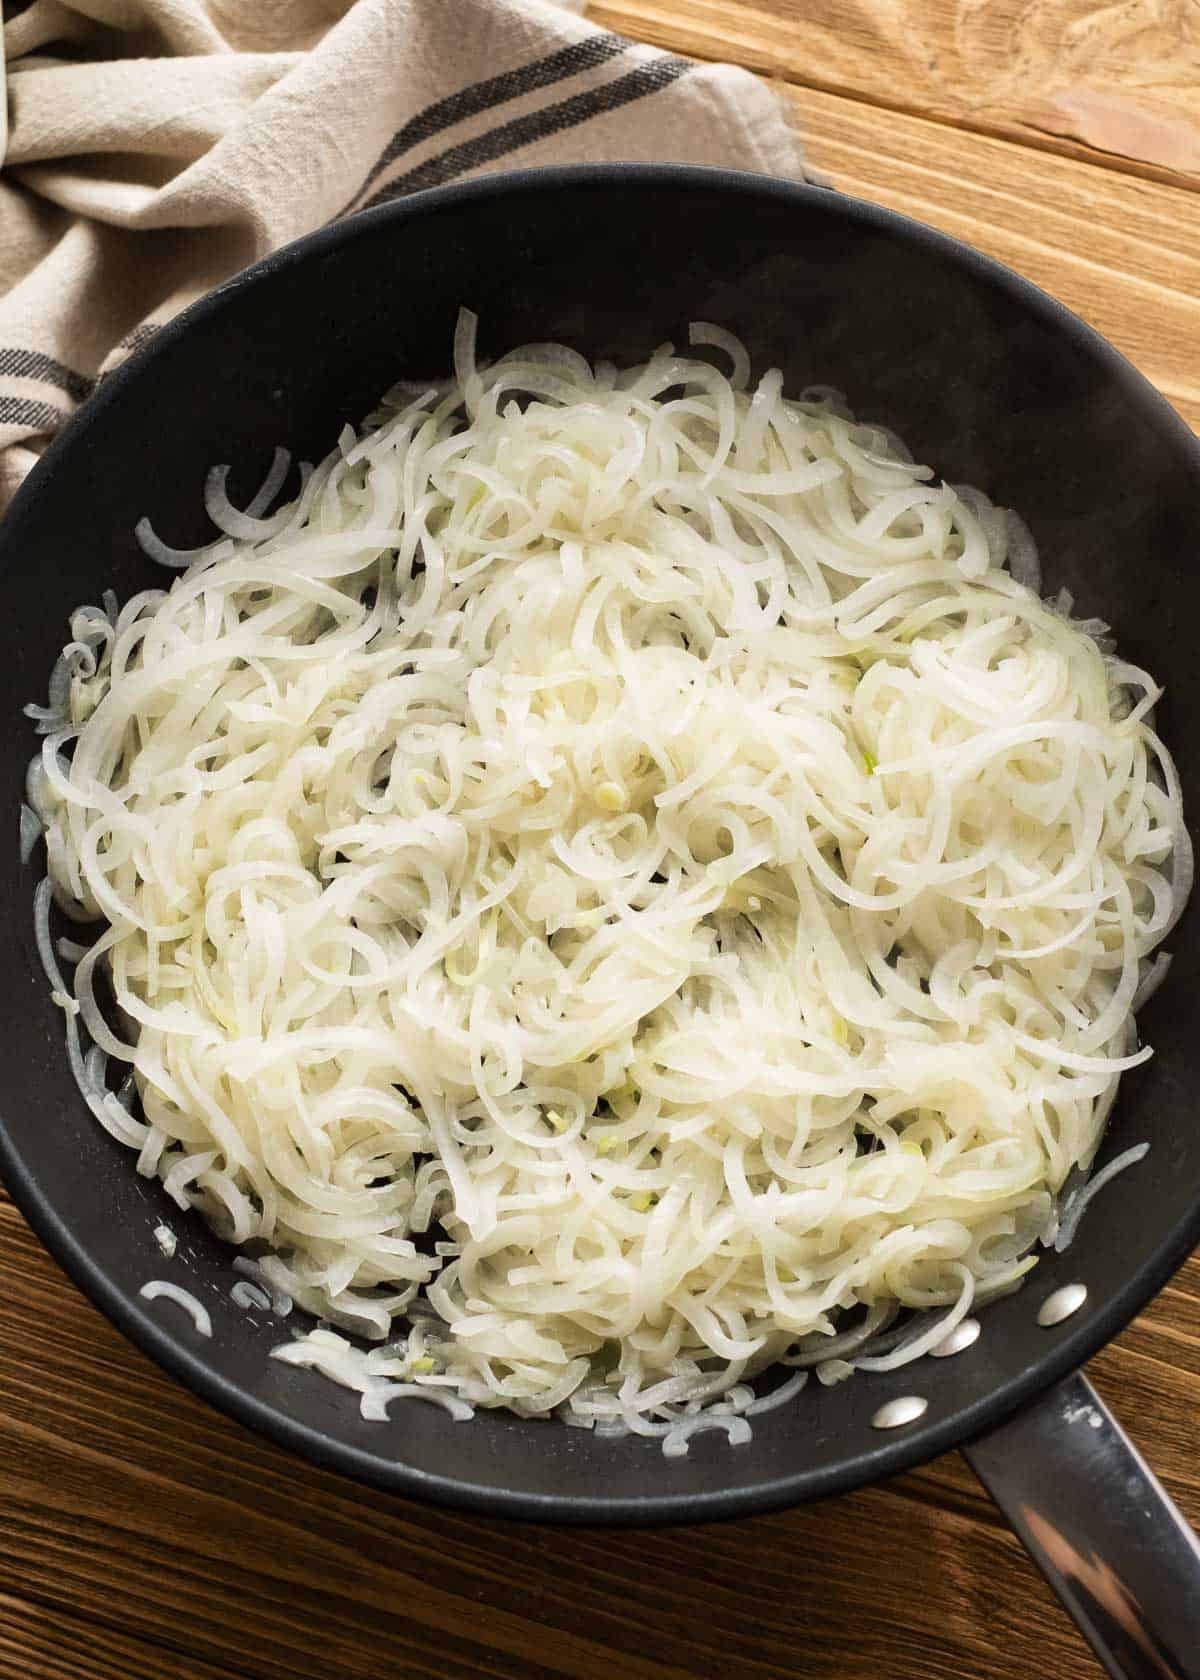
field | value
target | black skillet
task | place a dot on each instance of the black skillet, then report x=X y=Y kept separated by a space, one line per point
x=984 y=376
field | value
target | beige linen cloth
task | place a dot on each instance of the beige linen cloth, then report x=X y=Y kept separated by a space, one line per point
x=154 y=147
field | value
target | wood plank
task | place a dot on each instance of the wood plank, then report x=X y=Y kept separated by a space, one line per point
x=133 y=1507
x=1121 y=252
x=44 y=1642
x=385 y=1588
x=1119 y=84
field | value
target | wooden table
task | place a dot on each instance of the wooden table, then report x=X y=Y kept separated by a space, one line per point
x=145 y=1537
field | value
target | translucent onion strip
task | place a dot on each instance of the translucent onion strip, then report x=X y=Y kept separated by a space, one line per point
x=159 y=1289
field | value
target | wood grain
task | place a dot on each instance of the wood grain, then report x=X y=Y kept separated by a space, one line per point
x=145 y=1537
x=1090 y=78
x=1122 y=252
x=52 y=1643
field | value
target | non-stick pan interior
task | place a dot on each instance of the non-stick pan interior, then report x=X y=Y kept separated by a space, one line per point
x=982 y=375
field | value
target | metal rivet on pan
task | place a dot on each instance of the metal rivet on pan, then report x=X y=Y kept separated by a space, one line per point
x=1061 y=1304
x=960 y=1338
x=907 y=1409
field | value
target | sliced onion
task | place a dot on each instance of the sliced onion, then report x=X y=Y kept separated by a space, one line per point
x=158 y=1289
x=636 y=750
x=248 y=526
x=31 y=831
x=704 y=332
x=179 y=559
x=1023 y=561
x=1077 y=1204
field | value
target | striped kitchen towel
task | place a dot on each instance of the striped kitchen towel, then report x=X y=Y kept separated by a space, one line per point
x=155 y=147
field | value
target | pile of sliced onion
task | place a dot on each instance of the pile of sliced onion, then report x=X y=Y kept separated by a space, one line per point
x=620 y=870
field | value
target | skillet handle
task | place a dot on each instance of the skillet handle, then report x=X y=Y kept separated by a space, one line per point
x=1096 y=1521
